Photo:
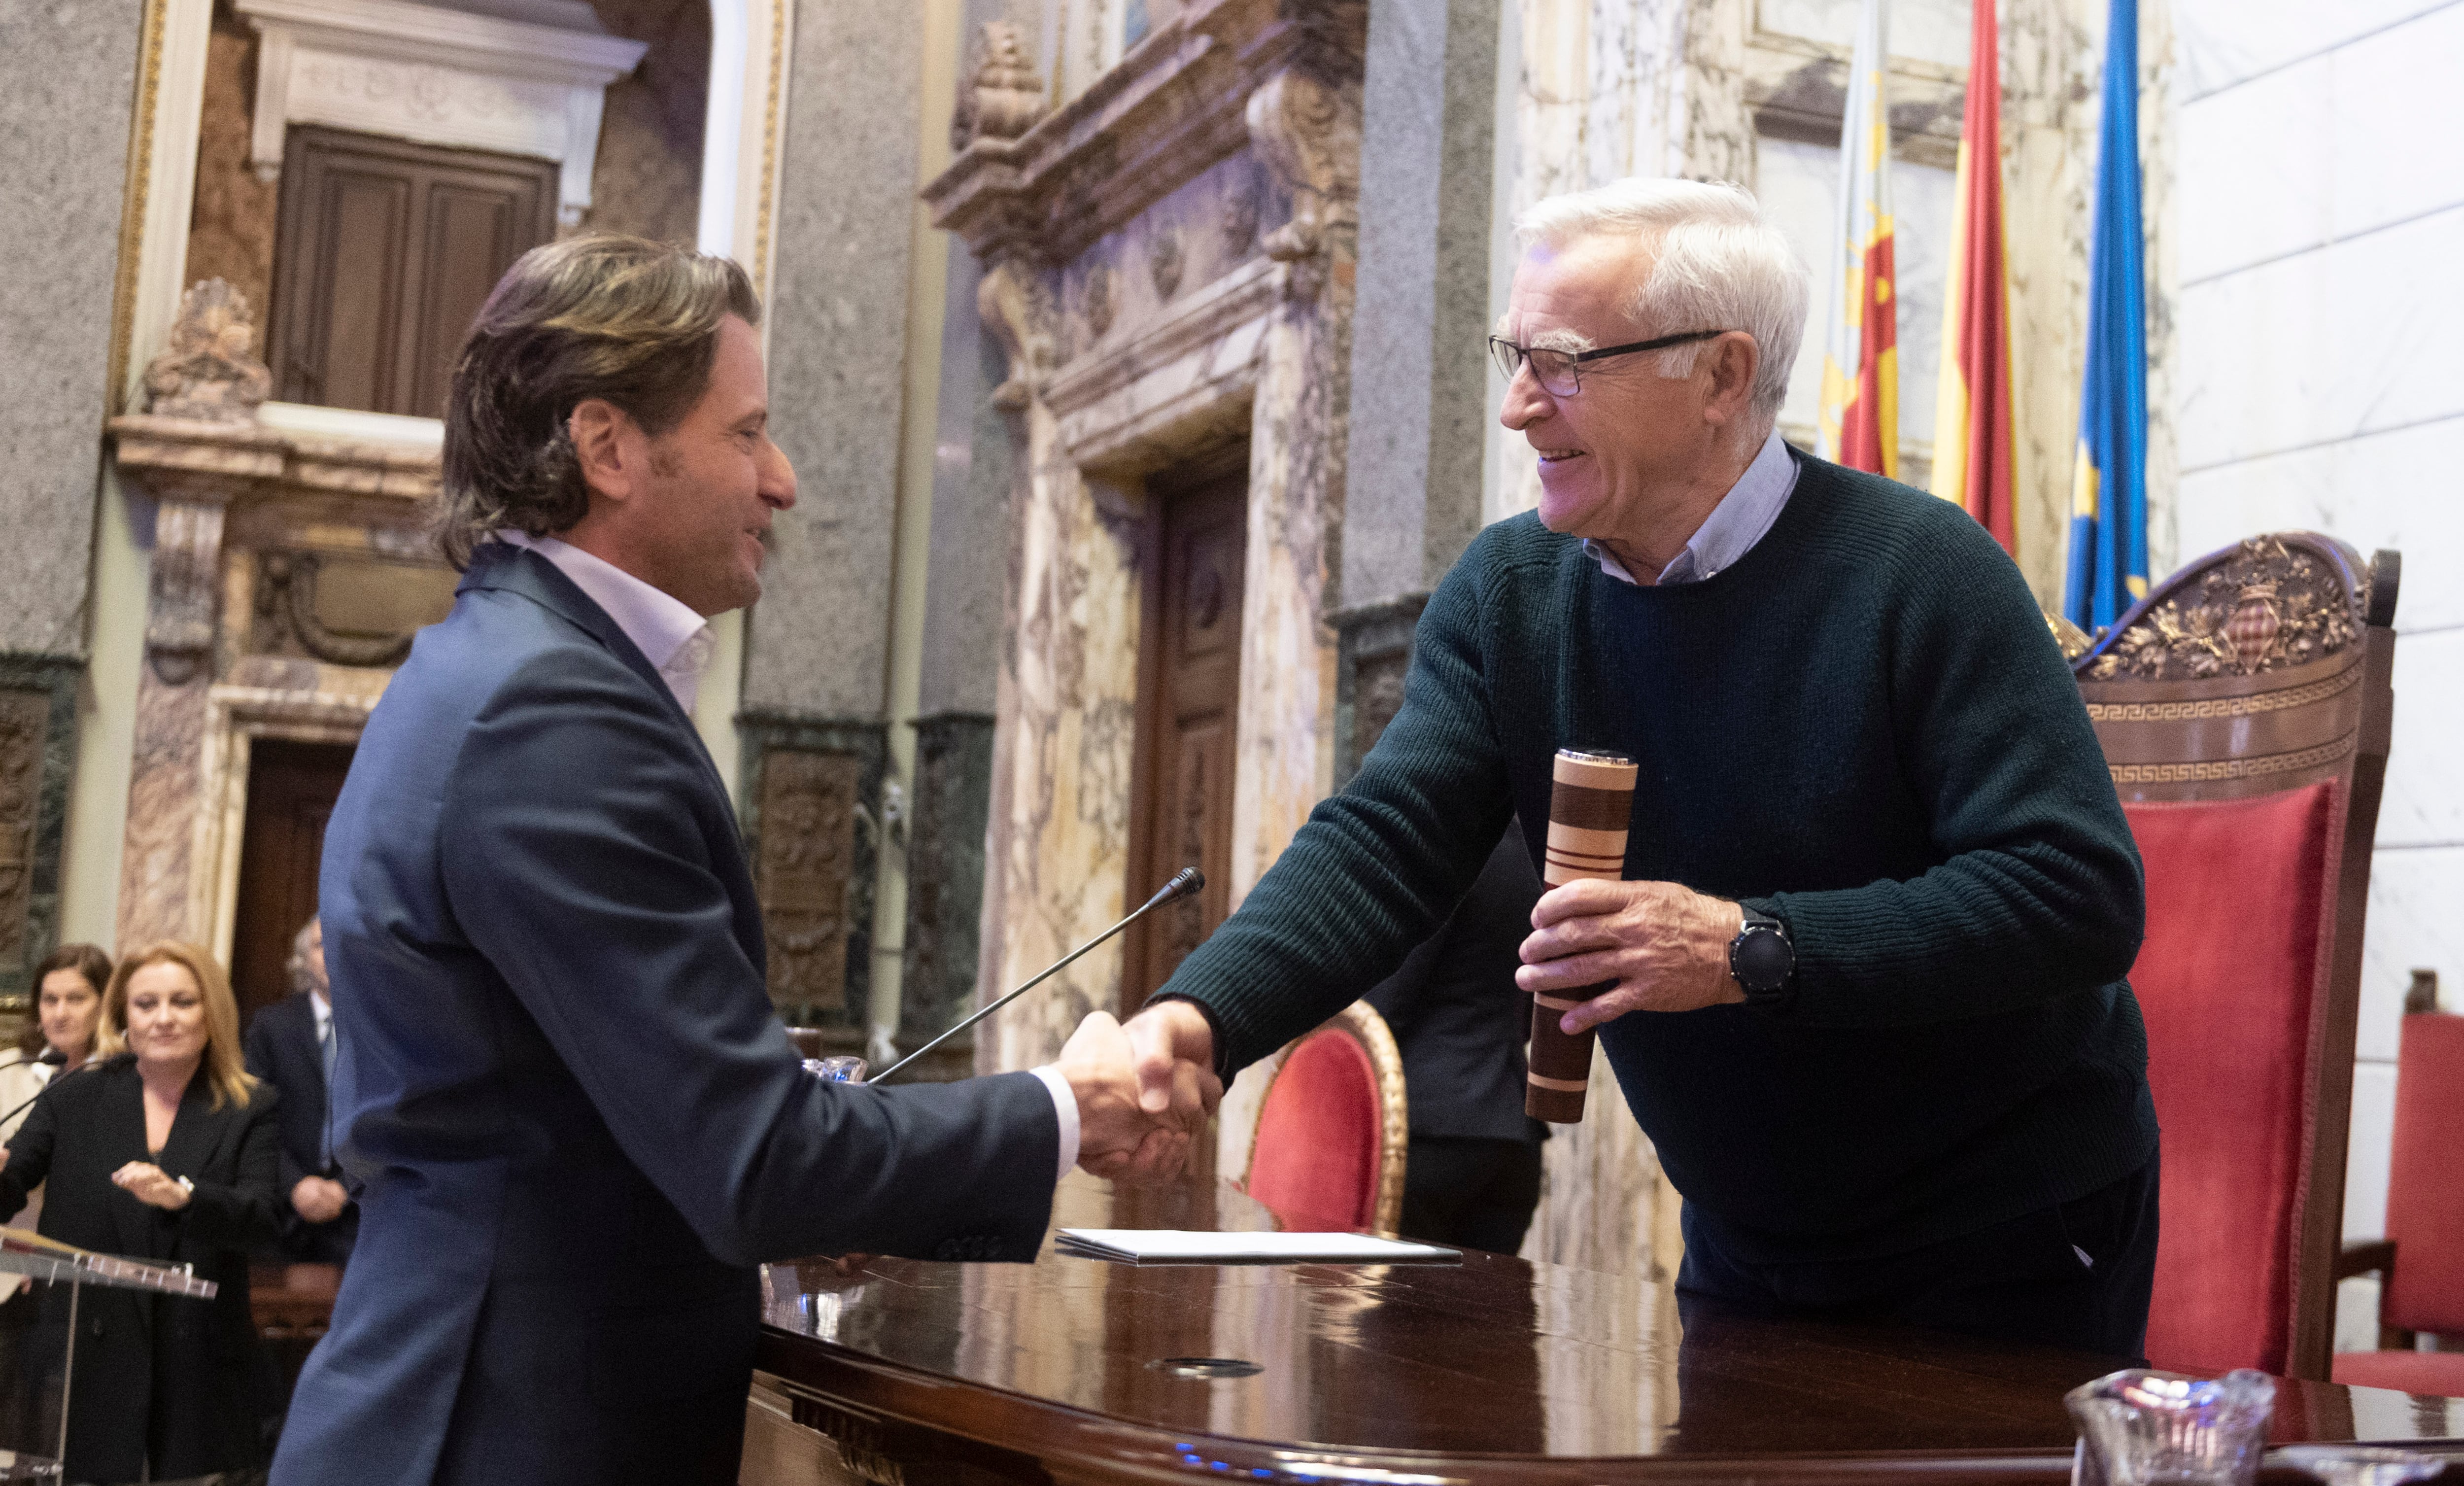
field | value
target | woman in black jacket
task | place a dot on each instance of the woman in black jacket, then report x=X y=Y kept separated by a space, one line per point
x=166 y=1150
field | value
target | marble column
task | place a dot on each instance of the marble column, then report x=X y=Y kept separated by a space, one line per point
x=1412 y=499
x=817 y=645
x=974 y=505
x=167 y=774
x=68 y=78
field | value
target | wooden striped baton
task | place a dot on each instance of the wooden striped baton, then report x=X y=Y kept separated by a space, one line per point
x=1590 y=803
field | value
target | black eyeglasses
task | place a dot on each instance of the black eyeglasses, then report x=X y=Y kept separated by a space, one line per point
x=1557 y=370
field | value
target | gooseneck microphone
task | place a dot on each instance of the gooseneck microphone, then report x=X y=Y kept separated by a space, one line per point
x=1188 y=880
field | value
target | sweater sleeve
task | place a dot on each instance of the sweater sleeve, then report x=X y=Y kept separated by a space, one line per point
x=2039 y=893
x=1377 y=866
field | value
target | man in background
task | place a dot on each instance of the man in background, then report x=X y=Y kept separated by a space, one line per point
x=291 y=1046
x=1473 y=1174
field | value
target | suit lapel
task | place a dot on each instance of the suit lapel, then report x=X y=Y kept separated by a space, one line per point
x=499 y=565
x=126 y=1116
x=195 y=1133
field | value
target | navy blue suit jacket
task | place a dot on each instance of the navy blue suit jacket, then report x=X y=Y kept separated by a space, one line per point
x=282 y=1049
x=577 y=1121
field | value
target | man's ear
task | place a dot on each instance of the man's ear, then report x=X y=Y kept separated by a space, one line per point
x=599 y=430
x=1734 y=360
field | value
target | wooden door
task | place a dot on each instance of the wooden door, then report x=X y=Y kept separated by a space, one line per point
x=1189 y=698
x=291 y=792
x=383 y=254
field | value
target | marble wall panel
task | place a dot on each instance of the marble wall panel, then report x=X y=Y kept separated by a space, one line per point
x=2367 y=1150
x=2372 y=490
x=2425 y=797
x=2231 y=41
x=2324 y=346
x=2267 y=140
x=2395 y=92
x=646 y=176
x=1058 y=852
x=1925 y=30
x=231 y=227
x=2414 y=891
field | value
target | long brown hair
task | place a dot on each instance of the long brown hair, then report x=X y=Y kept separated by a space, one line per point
x=623 y=319
x=229 y=1077
x=88 y=961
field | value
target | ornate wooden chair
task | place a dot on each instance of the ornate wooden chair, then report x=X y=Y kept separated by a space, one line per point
x=2425 y=1221
x=1333 y=1128
x=2244 y=709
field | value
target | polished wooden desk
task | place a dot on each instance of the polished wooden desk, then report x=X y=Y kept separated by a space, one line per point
x=1493 y=1370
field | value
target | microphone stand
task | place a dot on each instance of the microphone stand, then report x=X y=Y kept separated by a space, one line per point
x=1188 y=880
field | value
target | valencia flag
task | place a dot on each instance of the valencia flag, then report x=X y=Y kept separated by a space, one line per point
x=1973 y=442
x=1861 y=362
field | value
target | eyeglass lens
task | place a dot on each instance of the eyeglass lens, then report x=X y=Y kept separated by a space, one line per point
x=1554 y=370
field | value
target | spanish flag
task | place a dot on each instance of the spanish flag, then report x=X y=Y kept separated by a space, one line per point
x=2107 y=571
x=1860 y=363
x=1972 y=444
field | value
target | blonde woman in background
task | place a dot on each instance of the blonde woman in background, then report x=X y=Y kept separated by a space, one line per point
x=163 y=1151
x=68 y=1013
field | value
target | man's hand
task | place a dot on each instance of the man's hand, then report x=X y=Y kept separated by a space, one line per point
x=1665 y=945
x=1118 y=1137
x=318 y=1199
x=1174 y=1050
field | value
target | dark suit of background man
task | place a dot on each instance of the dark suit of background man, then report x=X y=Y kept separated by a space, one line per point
x=291 y=1046
x=1473 y=1173
x=576 y=1120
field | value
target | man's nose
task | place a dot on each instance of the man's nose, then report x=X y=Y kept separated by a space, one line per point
x=1527 y=401
x=778 y=487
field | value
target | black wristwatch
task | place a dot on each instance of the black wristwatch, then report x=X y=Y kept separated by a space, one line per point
x=1763 y=962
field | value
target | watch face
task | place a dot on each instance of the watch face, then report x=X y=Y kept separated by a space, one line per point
x=1764 y=960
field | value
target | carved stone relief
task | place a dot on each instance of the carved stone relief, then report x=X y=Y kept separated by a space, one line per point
x=1016 y=305
x=1307 y=129
x=25 y=717
x=1164 y=262
x=2266 y=606
x=210 y=371
x=180 y=612
x=1095 y=303
x=808 y=804
x=343 y=613
x=1004 y=98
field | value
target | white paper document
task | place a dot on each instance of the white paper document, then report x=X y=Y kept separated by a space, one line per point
x=1180 y=1245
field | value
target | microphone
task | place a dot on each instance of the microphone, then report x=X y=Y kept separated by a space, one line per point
x=1188 y=880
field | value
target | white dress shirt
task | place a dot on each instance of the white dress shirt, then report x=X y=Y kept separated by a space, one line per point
x=1741 y=519
x=677 y=643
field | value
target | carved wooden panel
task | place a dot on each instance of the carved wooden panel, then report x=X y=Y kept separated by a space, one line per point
x=1191 y=674
x=24 y=719
x=807 y=825
x=2265 y=606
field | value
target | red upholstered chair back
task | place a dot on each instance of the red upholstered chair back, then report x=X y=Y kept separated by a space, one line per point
x=1333 y=1128
x=2425 y=1191
x=2244 y=708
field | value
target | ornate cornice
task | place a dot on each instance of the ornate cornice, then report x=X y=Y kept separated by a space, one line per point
x=190 y=459
x=1175 y=104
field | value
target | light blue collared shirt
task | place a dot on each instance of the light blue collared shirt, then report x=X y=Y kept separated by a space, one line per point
x=1741 y=519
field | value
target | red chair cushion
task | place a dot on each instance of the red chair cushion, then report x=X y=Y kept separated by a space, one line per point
x=2229 y=977
x=2435 y=1374
x=1315 y=1159
x=2425 y=1198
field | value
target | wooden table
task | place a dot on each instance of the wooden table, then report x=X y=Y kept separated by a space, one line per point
x=1488 y=1372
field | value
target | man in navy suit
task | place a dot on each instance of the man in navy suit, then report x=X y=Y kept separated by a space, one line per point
x=577 y=1122
x=291 y=1046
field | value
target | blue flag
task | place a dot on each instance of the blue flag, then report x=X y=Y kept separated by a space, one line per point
x=2108 y=555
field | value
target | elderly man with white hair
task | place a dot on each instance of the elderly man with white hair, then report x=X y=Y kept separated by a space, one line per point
x=1868 y=997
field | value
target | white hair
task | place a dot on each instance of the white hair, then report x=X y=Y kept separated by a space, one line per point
x=1717 y=265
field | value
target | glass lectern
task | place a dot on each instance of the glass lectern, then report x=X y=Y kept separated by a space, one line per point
x=43 y=1281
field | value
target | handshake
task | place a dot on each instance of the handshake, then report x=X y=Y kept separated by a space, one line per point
x=1144 y=1089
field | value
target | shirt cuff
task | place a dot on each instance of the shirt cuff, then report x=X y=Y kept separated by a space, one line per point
x=1065 y=1107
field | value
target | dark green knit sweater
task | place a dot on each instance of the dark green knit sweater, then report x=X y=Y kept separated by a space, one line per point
x=1861 y=726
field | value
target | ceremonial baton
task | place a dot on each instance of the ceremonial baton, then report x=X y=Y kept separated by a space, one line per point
x=1189 y=881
